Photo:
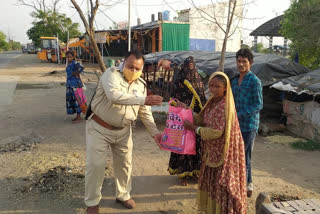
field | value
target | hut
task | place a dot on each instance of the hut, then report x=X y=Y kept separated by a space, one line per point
x=301 y=103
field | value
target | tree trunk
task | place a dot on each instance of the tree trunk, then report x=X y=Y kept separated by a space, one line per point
x=90 y=31
x=229 y=24
x=97 y=52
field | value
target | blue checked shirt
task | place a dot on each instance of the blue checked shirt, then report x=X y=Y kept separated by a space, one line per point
x=73 y=80
x=248 y=100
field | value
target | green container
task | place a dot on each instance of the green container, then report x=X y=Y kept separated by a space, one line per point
x=111 y=63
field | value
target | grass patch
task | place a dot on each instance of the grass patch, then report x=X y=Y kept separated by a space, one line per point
x=308 y=145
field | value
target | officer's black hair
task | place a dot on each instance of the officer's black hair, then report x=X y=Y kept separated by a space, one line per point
x=136 y=53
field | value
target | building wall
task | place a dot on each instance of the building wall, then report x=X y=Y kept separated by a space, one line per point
x=202 y=26
x=303 y=118
x=202 y=45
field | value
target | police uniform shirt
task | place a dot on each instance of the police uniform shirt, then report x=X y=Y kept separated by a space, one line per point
x=119 y=103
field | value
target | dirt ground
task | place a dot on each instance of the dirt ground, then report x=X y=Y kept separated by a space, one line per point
x=45 y=172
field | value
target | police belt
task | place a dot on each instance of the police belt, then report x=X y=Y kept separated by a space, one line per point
x=104 y=124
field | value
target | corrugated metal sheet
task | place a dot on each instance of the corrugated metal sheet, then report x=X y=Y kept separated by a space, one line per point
x=269 y=28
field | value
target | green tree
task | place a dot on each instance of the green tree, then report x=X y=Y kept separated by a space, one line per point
x=244 y=46
x=51 y=23
x=2 y=36
x=13 y=45
x=259 y=48
x=6 y=46
x=3 y=44
x=301 y=24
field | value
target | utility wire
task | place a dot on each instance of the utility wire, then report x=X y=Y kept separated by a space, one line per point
x=75 y=9
x=108 y=17
x=148 y=5
x=113 y=4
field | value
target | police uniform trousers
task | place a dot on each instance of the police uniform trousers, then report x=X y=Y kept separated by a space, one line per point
x=98 y=138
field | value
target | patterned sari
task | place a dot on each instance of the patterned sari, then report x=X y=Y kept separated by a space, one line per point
x=187 y=88
x=74 y=82
x=222 y=181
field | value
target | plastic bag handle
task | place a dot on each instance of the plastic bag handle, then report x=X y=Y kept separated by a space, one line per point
x=173 y=101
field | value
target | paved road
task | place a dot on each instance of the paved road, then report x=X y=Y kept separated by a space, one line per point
x=6 y=57
x=7 y=83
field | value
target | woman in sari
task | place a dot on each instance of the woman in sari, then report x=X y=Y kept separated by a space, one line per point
x=75 y=98
x=222 y=180
x=187 y=88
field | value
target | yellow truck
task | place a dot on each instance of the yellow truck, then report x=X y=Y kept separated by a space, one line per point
x=49 y=49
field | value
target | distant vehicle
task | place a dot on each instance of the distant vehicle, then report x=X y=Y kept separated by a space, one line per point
x=48 y=48
x=32 y=51
x=24 y=48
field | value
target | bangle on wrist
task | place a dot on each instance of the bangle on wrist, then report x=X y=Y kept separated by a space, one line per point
x=198 y=130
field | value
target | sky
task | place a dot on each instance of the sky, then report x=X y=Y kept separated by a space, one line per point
x=16 y=20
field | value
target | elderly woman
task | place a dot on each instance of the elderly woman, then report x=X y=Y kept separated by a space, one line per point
x=222 y=181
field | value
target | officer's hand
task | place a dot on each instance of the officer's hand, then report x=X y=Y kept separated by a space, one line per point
x=153 y=100
x=164 y=63
x=189 y=126
x=157 y=139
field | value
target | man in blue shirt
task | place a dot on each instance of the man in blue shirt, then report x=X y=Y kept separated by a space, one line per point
x=247 y=92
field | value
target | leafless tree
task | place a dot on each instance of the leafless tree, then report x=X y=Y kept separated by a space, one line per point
x=90 y=29
x=227 y=24
x=40 y=5
x=55 y=6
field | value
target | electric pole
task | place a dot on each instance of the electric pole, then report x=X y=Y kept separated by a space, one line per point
x=129 y=28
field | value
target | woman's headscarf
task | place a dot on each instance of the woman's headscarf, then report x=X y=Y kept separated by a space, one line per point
x=230 y=113
x=187 y=85
x=233 y=175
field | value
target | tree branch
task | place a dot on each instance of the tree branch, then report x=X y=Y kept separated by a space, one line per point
x=228 y=17
x=93 y=12
x=213 y=17
x=83 y=18
x=229 y=23
x=55 y=4
x=231 y=19
x=90 y=31
x=44 y=6
x=22 y=2
x=40 y=5
x=216 y=21
x=232 y=14
x=234 y=30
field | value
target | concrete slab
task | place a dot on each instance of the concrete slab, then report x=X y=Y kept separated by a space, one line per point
x=7 y=88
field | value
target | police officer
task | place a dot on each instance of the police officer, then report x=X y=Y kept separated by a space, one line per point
x=120 y=97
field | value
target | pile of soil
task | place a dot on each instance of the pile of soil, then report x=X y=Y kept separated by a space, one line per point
x=59 y=178
x=275 y=197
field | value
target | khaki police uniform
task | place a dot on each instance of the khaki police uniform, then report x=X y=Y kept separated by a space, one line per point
x=118 y=104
